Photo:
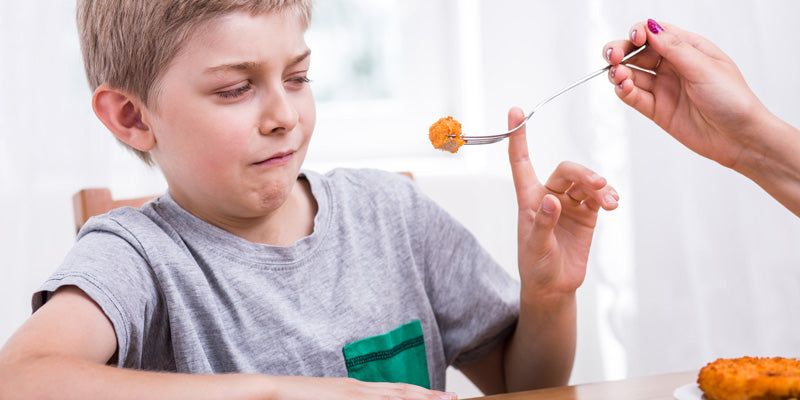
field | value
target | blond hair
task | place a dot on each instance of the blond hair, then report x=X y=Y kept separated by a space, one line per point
x=128 y=44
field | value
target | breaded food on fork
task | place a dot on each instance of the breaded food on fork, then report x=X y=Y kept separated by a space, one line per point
x=445 y=134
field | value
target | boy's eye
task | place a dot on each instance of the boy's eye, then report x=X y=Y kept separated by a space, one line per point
x=299 y=81
x=235 y=92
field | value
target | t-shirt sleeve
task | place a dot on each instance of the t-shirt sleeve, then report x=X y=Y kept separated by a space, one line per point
x=107 y=264
x=475 y=300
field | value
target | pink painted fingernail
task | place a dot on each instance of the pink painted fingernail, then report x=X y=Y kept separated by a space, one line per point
x=654 y=27
x=613 y=72
x=608 y=54
x=633 y=35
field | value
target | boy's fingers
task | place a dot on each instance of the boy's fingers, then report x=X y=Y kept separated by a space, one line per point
x=570 y=173
x=606 y=198
x=545 y=221
x=521 y=168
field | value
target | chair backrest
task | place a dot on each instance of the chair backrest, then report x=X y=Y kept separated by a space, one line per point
x=90 y=202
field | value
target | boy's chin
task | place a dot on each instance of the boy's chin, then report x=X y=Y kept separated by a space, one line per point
x=274 y=196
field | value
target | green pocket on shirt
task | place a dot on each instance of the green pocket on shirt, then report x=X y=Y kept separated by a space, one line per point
x=397 y=356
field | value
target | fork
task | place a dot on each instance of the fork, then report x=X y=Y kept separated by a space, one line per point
x=501 y=136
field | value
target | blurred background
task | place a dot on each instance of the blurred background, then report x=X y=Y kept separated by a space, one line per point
x=697 y=262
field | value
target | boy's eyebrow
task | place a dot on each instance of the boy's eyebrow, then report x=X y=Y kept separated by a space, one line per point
x=249 y=65
x=301 y=57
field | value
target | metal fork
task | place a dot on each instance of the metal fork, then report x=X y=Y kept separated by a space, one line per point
x=499 y=137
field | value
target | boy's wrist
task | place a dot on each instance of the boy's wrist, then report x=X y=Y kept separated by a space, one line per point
x=265 y=386
x=254 y=386
x=547 y=301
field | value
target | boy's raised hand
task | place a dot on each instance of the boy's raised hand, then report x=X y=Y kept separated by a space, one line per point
x=554 y=232
x=556 y=219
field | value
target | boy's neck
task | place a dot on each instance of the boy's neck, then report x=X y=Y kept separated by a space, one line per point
x=293 y=221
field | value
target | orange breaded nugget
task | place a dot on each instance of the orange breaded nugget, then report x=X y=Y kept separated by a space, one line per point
x=438 y=134
x=751 y=378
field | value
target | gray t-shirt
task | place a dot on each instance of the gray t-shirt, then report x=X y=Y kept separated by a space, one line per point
x=184 y=295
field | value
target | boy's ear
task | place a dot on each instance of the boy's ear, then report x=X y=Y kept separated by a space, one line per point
x=122 y=115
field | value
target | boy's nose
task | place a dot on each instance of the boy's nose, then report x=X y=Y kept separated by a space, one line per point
x=278 y=114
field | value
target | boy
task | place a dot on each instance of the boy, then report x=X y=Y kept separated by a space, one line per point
x=252 y=279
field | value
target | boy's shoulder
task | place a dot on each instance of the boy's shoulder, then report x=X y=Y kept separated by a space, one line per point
x=369 y=191
x=130 y=223
x=365 y=175
x=367 y=180
x=117 y=219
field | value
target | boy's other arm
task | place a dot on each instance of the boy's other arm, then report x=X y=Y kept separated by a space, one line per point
x=539 y=354
x=555 y=227
x=62 y=350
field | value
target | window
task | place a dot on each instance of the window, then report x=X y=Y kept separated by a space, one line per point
x=383 y=72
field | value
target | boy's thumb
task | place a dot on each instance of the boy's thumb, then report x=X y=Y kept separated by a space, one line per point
x=546 y=217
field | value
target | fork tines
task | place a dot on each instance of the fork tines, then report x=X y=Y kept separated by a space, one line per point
x=483 y=139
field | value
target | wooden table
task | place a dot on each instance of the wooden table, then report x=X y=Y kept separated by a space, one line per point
x=657 y=387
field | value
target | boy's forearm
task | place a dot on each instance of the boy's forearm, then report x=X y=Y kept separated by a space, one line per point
x=542 y=350
x=64 y=378
x=773 y=162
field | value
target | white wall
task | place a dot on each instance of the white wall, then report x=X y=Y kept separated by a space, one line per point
x=697 y=262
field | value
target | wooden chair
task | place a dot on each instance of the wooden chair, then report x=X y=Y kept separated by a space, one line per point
x=90 y=202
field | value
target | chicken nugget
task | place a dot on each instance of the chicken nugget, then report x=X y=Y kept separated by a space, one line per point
x=445 y=134
x=751 y=378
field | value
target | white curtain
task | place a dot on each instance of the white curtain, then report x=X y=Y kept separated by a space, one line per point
x=697 y=263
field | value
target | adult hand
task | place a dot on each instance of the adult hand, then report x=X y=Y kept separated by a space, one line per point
x=697 y=94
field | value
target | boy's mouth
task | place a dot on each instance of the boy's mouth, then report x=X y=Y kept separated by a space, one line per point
x=277 y=158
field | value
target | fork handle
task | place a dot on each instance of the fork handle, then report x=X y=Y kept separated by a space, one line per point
x=495 y=138
x=576 y=83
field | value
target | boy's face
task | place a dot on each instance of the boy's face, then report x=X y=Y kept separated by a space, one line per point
x=233 y=116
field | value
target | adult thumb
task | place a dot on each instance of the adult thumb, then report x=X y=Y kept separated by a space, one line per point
x=679 y=48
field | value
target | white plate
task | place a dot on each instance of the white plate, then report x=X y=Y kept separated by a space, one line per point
x=689 y=391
